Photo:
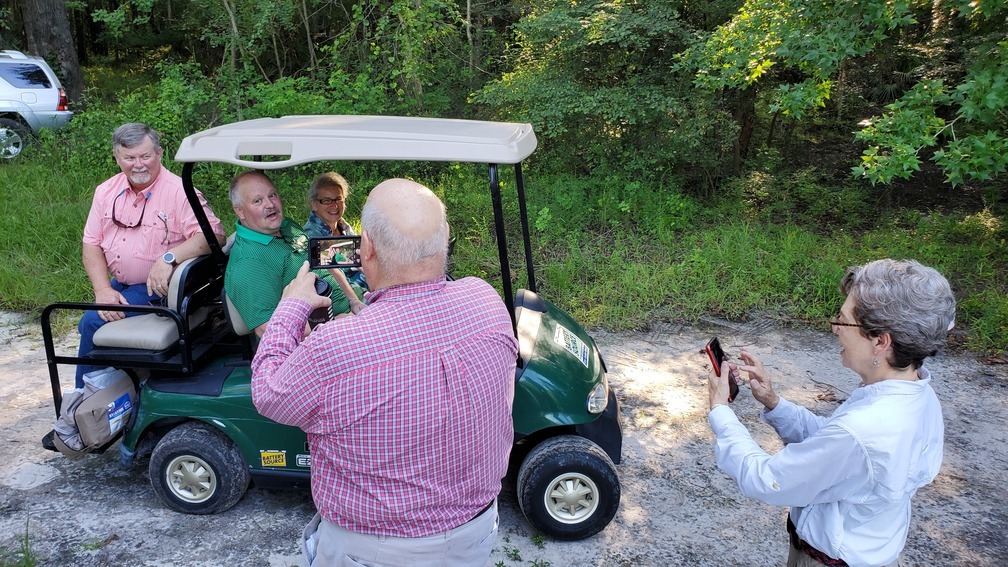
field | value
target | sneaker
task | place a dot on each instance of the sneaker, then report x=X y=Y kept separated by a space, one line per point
x=47 y=441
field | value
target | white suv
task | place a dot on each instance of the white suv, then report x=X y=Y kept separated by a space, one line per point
x=31 y=98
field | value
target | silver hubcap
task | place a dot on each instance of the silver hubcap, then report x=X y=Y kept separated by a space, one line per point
x=571 y=498
x=10 y=143
x=190 y=478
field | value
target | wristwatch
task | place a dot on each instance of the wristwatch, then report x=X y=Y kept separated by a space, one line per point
x=169 y=258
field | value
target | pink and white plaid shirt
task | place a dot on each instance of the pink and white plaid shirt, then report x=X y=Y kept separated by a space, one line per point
x=407 y=405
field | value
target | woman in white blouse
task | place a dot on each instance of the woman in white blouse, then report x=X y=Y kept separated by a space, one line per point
x=848 y=478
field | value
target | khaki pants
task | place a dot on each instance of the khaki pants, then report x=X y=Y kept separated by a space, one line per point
x=467 y=545
x=797 y=558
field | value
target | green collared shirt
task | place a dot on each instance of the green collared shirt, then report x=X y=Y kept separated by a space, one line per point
x=261 y=265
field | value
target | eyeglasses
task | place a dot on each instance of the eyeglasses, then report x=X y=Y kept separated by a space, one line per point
x=327 y=202
x=834 y=323
x=118 y=222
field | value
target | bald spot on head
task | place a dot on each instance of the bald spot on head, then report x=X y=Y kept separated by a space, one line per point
x=413 y=210
x=405 y=222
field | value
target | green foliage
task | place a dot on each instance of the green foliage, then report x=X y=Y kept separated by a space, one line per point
x=987 y=313
x=124 y=19
x=802 y=197
x=974 y=143
x=598 y=81
x=799 y=48
x=407 y=52
x=806 y=36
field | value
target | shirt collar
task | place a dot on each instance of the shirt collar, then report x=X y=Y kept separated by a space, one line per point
x=318 y=224
x=894 y=386
x=249 y=234
x=405 y=292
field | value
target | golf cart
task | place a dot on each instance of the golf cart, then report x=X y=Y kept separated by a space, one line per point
x=190 y=359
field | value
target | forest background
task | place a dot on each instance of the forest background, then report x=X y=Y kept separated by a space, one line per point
x=726 y=157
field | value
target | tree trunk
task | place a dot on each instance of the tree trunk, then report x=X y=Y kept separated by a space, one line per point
x=47 y=32
x=745 y=116
x=308 y=35
x=469 y=37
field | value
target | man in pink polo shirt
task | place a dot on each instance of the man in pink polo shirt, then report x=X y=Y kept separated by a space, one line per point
x=407 y=404
x=139 y=228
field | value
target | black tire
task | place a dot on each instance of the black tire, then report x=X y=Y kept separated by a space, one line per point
x=196 y=469
x=568 y=488
x=14 y=136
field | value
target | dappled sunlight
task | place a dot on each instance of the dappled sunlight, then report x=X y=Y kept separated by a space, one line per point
x=985 y=222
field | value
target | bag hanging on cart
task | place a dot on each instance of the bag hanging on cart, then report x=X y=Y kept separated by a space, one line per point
x=95 y=415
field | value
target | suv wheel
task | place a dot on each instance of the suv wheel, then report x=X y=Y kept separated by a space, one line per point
x=568 y=488
x=196 y=469
x=13 y=137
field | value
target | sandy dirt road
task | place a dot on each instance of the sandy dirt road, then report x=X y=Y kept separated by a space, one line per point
x=676 y=509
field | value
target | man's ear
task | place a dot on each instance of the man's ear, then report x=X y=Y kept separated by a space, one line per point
x=238 y=212
x=366 y=246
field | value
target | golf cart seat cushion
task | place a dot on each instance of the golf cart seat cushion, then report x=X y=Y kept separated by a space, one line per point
x=149 y=331
x=233 y=317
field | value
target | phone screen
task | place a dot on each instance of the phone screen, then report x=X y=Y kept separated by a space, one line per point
x=717 y=356
x=334 y=252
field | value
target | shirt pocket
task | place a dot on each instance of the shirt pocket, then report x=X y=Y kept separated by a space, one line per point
x=155 y=241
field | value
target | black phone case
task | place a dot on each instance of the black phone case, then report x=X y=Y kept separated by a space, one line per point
x=717 y=356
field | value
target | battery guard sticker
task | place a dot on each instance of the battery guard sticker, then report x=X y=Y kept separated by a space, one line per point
x=571 y=343
x=273 y=458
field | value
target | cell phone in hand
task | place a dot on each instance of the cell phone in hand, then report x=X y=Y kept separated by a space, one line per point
x=717 y=356
x=334 y=252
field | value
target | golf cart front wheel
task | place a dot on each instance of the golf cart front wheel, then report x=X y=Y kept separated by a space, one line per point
x=196 y=469
x=568 y=488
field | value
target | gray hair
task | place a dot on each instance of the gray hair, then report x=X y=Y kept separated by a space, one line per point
x=398 y=251
x=132 y=134
x=910 y=301
x=327 y=179
x=233 y=187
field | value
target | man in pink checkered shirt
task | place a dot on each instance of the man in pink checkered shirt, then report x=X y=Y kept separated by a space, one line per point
x=407 y=405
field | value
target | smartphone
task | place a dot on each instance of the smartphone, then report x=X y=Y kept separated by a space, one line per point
x=717 y=356
x=326 y=252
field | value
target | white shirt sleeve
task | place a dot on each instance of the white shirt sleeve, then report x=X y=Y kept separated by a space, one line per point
x=792 y=422
x=829 y=465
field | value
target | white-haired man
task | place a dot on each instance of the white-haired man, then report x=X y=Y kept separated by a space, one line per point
x=407 y=405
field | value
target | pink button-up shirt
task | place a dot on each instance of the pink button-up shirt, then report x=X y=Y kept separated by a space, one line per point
x=407 y=405
x=163 y=220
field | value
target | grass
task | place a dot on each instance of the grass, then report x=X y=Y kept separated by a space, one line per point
x=616 y=259
x=22 y=555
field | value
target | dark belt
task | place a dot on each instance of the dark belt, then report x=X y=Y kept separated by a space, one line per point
x=482 y=512
x=804 y=547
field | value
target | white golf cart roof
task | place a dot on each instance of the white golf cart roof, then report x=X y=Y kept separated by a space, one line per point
x=271 y=143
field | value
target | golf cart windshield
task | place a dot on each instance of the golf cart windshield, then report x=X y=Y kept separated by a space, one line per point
x=273 y=143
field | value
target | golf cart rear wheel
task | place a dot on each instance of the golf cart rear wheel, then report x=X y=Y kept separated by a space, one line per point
x=568 y=488
x=196 y=469
x=13 y=138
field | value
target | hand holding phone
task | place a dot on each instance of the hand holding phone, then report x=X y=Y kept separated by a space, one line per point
x=717 y=356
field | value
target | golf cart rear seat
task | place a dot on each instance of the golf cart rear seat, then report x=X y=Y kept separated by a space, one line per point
x=192 y=295
x=152 y=331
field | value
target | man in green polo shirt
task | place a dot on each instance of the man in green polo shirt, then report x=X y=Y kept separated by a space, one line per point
x=268 y=251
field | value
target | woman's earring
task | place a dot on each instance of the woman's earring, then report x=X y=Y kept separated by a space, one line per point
x=874 y=362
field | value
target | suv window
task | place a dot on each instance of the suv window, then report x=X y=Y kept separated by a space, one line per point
x=24 y=75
